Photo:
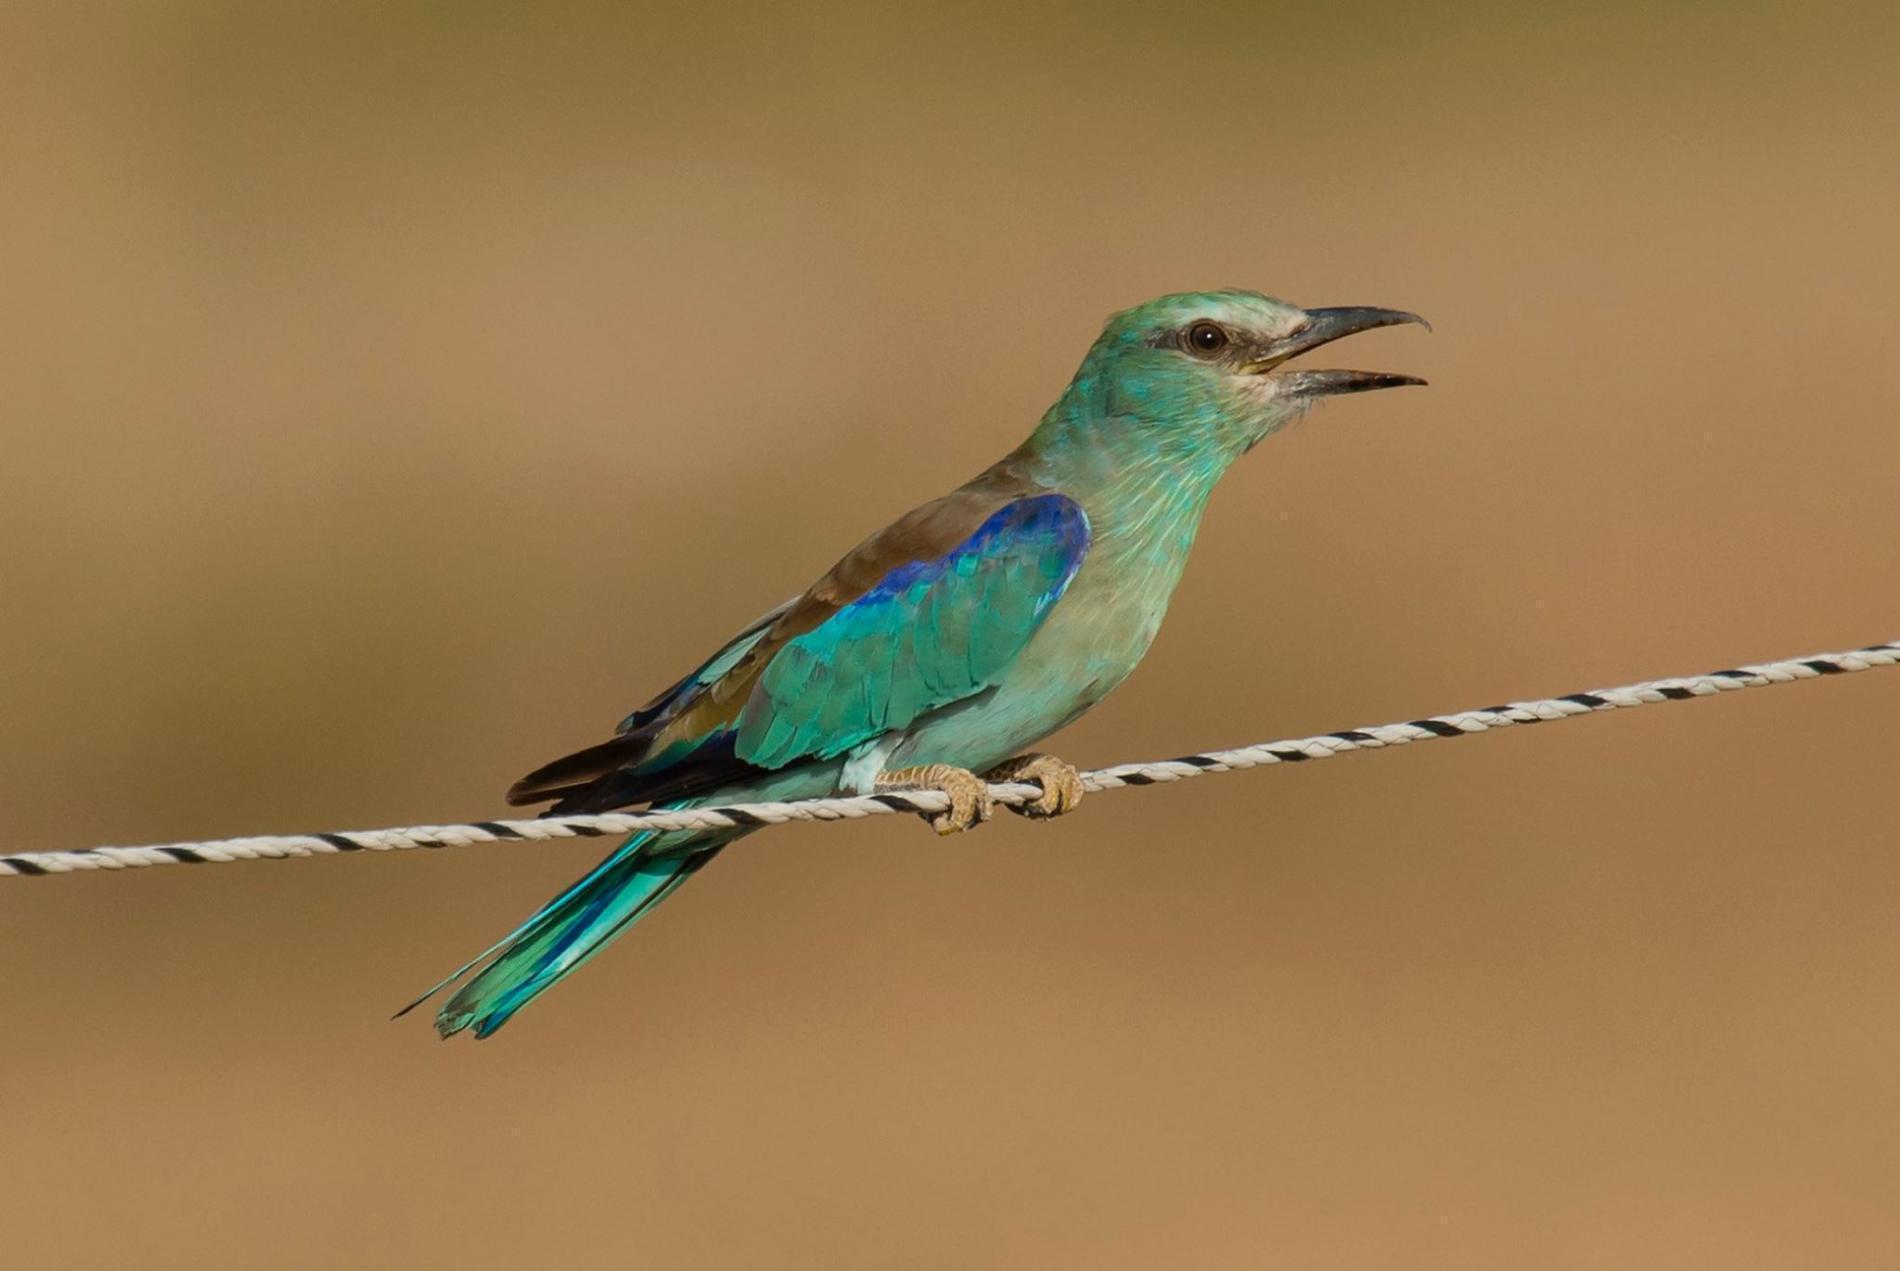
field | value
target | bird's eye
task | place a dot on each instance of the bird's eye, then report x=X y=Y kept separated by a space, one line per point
x=1205 y=339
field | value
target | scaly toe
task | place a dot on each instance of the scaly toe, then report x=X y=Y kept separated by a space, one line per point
x=1061 y=792
x=969 y=806
x=969 y=795
x=1061 y=785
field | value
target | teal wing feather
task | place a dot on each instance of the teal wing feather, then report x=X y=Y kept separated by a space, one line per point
x=931 y=632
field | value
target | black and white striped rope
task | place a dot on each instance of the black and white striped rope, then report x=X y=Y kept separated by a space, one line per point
x=752 y=815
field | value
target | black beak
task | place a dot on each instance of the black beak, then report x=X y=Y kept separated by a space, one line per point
x=1323 y=326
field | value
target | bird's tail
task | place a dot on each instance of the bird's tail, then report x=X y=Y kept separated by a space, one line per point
x=570 y=929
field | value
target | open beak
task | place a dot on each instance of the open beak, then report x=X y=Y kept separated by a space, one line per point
x=1323 y=326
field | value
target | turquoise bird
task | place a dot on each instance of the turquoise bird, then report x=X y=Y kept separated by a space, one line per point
x=944 y=645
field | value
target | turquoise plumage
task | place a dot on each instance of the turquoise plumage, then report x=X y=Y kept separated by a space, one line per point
x=949 y=641
x=931 y=632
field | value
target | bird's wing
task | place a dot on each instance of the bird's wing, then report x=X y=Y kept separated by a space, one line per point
x=925 y=613
x=933 y=630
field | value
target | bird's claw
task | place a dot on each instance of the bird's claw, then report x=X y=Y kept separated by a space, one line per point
x=1061 y=784
x=969 y=794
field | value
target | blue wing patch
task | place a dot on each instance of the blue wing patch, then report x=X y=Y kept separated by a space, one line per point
x=928 y=634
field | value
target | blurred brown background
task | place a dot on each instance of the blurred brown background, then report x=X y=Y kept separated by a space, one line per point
x=395 y=394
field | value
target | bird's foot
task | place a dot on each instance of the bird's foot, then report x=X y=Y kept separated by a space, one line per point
x=1061 y=784
x=970 y=803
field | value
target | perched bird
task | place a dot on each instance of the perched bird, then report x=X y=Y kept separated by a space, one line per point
x=945 y=644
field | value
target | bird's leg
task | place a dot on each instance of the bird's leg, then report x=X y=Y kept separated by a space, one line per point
x=970 y=803
x=1061 y=784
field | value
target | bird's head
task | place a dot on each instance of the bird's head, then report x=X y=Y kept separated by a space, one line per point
x=1201 y=377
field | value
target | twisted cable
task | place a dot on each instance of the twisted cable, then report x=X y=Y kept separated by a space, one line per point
x=753 y=815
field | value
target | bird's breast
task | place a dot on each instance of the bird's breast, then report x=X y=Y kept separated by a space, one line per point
x=1104 y=623
x=1092 y=638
